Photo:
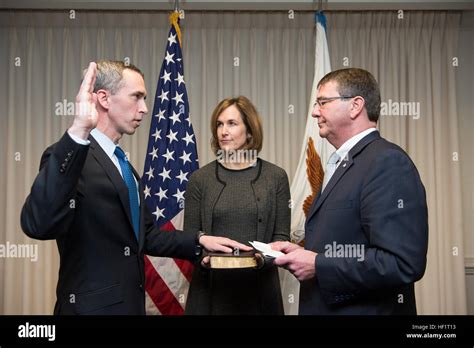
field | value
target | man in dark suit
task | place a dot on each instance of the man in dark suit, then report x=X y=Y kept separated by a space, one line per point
x=88 y=197
x=367 y=229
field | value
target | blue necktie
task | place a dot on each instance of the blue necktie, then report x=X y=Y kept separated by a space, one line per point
x=132 y=188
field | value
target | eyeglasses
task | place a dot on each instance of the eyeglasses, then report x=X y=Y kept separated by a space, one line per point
x=323 y=101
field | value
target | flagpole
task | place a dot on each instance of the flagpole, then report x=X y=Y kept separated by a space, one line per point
x=321 y=3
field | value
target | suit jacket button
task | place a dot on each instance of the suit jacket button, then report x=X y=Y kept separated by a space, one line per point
x=70 y=153
x=260 y=220
x=62 y=170
x=140 y=286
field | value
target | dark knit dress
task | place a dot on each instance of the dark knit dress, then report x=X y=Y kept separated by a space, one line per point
x=235 y=215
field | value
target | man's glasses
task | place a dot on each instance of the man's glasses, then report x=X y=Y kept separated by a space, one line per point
x=322 y=101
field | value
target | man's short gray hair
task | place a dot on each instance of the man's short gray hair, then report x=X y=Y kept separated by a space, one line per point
x=110 y=74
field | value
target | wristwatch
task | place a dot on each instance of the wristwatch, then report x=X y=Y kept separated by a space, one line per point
x=198 y=250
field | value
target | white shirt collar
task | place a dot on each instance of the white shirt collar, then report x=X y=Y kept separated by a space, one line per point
x=349 y=144
x=104 y=141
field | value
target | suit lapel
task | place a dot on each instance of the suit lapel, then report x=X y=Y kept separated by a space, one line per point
x=338 y=174
x=312 y=209
x=341 y=170
x=141 y=236
x=113 y=174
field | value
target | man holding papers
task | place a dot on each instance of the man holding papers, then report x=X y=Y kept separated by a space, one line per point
x=367 y=229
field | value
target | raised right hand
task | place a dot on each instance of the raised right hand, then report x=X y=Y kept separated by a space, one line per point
x=86 y=117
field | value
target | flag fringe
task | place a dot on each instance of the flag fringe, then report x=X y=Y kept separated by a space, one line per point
x=174 y=20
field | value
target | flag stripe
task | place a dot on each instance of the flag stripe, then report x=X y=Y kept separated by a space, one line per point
x=171 y=275
x=185 y=267
x=159 y=292
x=150 y=306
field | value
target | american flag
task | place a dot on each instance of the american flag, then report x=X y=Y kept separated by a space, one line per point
x=170 y=160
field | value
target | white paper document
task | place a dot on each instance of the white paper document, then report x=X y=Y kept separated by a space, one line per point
x=266 y=249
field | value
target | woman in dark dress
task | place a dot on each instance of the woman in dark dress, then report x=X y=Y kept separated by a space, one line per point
x=242 y=197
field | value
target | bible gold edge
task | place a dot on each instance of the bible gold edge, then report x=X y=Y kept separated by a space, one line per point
x=229 y=262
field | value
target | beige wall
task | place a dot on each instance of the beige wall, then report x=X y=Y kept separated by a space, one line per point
x=465 y=80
